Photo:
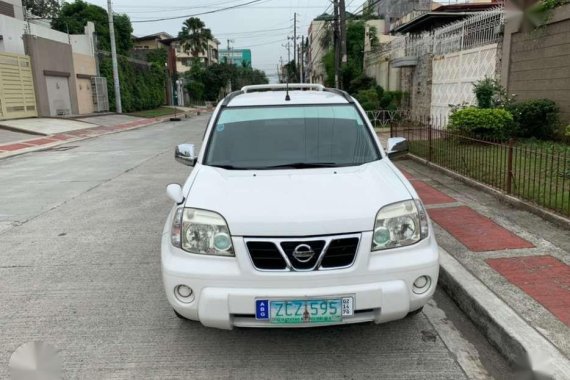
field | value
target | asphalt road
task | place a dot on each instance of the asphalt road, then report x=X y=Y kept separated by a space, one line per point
x=80 y=269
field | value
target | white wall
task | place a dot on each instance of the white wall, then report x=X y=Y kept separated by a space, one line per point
x=84 y=43
x=12 y=30
x=18 y=10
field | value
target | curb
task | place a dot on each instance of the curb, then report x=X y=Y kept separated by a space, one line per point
x=513 y=201
x=82 y=134
x=511 y=335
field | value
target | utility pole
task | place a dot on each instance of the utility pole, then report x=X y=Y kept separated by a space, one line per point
x=301 y=60
x=280 y=70
x=343 y=55
x=295 y=38
x=231 y=62
x=336 y=46
x=288 y=47
x=118 y=105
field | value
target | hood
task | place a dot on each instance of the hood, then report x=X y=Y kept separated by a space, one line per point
x=297 y=202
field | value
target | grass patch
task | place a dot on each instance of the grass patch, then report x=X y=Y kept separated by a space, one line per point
x=540 y=170
x=156 y=112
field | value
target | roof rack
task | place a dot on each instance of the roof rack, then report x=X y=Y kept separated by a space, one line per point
x=342 y=93
x=230 y=96
x=282 y=87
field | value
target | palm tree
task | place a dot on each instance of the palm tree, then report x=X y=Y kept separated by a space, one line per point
x=194 y=36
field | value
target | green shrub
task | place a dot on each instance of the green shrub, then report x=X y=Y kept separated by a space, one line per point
x=491 y=94
x=493 y=123
x=537 y=118
x=368 y=99
x=142 y=86
x=195 y=90
x=484 y=91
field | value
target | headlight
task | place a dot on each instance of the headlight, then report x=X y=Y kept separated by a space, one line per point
x=400 y=224
x=201 y=232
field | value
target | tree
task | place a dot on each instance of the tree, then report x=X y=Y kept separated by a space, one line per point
x=210 y=82
x=74 y=16
x=194 y=36
x=291 y=72
x=355 y=39
x=47 y=9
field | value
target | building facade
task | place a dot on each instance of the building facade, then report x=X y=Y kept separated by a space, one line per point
x=151 y=41
x=318 y=37
x=44 y=72
x=236 y=56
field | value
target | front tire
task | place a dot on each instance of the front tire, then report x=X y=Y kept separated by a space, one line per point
x=415 y=312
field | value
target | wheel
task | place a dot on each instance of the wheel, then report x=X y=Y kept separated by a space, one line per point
x=415 y=312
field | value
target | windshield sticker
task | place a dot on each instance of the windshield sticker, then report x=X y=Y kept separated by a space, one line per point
x=220 y=127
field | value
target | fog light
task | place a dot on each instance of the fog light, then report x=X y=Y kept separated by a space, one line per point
x=184 y=293
x=421 y=285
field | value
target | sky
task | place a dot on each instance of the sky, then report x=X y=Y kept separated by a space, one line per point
x=262 y=27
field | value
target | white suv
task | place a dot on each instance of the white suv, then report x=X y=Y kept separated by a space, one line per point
x=295 y=216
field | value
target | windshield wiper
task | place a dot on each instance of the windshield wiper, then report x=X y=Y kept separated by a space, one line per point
x=304 y=165
x=230 y=167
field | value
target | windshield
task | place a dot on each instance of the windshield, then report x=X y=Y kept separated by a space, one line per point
x=290 y=137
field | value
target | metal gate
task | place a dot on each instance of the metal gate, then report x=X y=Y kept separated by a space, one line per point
x=17 y=97
x=453 y=77
x=100 y=98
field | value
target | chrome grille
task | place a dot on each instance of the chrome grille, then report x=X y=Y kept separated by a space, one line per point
x=298 y=254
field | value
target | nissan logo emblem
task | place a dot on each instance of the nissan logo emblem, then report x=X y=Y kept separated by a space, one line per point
x=303 y=253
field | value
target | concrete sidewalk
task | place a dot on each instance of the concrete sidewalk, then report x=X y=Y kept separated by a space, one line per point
x=45 y=126
x=518 y=256
x=49 y=133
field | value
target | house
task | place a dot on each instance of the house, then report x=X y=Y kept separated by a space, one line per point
x=44 y=72
x=318 y=37
x=184 y=58
x=151 y=41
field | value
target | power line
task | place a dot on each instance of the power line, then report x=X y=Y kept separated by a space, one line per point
x=261 y=44
x=251 y=32
x=199 y=14
x=176 y=9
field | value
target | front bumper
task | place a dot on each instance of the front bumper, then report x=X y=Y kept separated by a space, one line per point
x=225 y=288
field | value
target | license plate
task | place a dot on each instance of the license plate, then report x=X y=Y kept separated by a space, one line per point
x=327 y=310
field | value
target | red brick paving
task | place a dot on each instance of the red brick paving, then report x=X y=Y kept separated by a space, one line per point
x=475 y=231
x=61 y=136
x=81 y=133
x=429 y=195
x=17 y=146
x=544 y=278
x=42 y=141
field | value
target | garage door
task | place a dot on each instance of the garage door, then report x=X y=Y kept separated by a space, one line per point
x=58 y=95
x=17 y=97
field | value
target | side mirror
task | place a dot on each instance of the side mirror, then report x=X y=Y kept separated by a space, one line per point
x=174 y=192
x=184 y=154
x=397 y=146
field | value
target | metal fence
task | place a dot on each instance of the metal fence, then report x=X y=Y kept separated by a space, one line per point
x=479 y=29
x=538 y=173
x=385 y=118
